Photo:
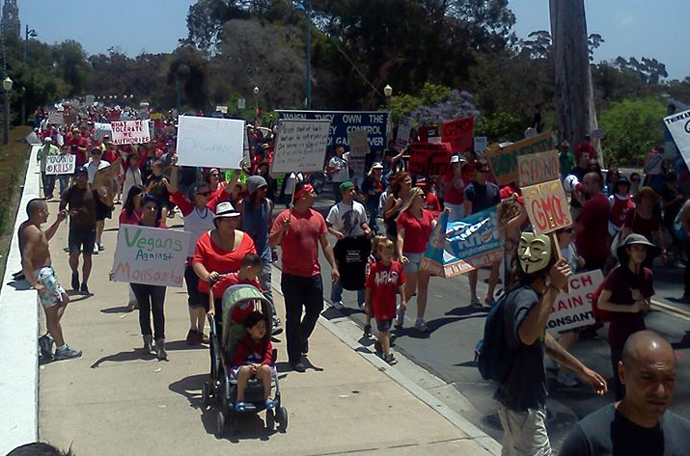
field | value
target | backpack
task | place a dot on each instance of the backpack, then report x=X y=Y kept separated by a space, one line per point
x=601 y=316
x=493 y=356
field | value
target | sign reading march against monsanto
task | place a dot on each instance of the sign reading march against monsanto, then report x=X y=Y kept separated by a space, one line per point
x=574 y=309
x=374 y=123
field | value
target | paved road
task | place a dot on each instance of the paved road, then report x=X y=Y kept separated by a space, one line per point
x=448 y=350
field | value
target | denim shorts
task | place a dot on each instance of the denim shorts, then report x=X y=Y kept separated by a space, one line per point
x=414 y=262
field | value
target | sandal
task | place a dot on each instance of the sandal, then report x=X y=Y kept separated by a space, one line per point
x=240 y=407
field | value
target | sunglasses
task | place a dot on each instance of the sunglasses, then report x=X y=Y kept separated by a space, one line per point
x=635 y=180
x=203 y=193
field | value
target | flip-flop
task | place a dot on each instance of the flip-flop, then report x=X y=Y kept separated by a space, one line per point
x=240 y=407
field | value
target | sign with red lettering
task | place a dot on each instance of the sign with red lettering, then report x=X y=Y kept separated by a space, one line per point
x=130 y=132
x=459 y=134
x=539 y=167
x=429 y=159
x=503 y=161
x=547 y=207
x=574 y=309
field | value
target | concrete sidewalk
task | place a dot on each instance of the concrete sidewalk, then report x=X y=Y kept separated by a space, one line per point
x=116 y=401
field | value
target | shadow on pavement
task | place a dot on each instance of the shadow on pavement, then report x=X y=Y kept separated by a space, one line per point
x=19 y=285
x=114 y=310
x=137 y=354
x=181 y=345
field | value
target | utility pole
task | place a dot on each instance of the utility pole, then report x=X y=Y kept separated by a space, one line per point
x=308 y=11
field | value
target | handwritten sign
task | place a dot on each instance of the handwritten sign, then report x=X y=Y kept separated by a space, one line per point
x=459 y=134
x=430 y=134
x=504 y=161
x=150 y=256
x=480 y=143
x=300 y=146
x=539 y=167
x=574 y=309
x=56 y=118
x=652 y=164
x=223 y=109
x=403 y=136
x=210 y=142
x=61 y=164
x=547 y=207
x=429 y=159
x=102 y=129
x=679 y=127
x=130 y=132
x=359 y=143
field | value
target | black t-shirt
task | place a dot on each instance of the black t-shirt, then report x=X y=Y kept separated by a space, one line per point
x=607 y=432
x=526 y=386
x=482 y=196
x=351 y=254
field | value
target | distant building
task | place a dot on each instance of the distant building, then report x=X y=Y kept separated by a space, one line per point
x=10 y=18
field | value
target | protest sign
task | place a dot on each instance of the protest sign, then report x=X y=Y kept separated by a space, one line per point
x=652 y=164
x=231 y=172
x=480 y=143
x=102 y=129
x=359 y=143
x=464 y=245
x=547 y=207
x=539 y=167
x=459 y=134
x=403 y=136
x=130 y=132
x=300 y=146
x=503 y=161
x=679 y=127
x=150 y=256
x=574 y=309
x=33 y=139
x=430 y=134
x=358 y=167
x=61 y=164
x=428 y=159
x=56 y=118
x=209 y=142
x=375 y=123
x=223 y=109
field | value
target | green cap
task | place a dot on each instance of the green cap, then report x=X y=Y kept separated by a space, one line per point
x=345 y=186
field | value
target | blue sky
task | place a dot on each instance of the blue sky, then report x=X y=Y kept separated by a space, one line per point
x=638 y=28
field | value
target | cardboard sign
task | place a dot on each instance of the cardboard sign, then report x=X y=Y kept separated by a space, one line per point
x=459 y=134
x=61 y=164
x=209 y=142
x=539 y=167
x=102 y=129
x=223 y=109
x=428 y=159
x=403 y=137
x=574 y=309
x=357 y=166
x=150 y=256
x=480 y=143
x=464 y=245
x=300 y=146
x=679 y=127
x=547 y=206
x=130 y=132
x=652 y=164
x=56 y=118
x=359 y=143
x=241 y=103
x=504 y=161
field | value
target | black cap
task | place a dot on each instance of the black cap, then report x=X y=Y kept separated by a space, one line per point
x=81 y=170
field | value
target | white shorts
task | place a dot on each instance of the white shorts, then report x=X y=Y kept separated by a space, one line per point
x=53 y=292
x=524 y=432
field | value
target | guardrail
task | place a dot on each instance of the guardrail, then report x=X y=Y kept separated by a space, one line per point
x=18 y=335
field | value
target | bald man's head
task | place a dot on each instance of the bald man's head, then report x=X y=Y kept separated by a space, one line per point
x=34 y=206
x=645 y=345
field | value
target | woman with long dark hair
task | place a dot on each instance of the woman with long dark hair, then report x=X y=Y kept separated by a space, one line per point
x=131 y=215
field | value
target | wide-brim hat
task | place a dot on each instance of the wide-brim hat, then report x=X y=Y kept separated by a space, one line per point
x=226 y=210
x=647 y=192
x=636 y=239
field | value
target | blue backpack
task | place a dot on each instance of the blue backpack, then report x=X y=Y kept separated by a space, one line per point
x=493 y=356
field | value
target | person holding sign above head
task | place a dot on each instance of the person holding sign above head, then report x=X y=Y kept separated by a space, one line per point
x=339 y=170
x=299 y=231
x=48 y=149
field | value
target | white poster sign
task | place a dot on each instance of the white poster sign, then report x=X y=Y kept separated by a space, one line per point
x=679 y=127
x=102 y=129
x=61 y=164
x=359 y=143
x=574 y=309
x=480 y=143
x=223 y=109
x=210 y=142
x=300 y=146
x=56 y=118
x=150 y=256
x=130 y=132
x=241 y=103
x=403 y=136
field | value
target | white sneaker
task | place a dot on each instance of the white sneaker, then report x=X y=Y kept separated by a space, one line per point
x=100 y=246
x=338 y=305
x=420 y=325
x=95 y=249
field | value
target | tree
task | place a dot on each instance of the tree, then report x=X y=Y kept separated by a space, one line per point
x=188 y=74
x=71 y=61
x=649 y=70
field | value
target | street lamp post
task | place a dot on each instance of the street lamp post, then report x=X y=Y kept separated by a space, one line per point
x=388 y=91
x=7 y=85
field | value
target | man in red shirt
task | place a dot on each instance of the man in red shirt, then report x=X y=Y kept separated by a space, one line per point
x=591 y=227
x=299 y=231
x=82 y=146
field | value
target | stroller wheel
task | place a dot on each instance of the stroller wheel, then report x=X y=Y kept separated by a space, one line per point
x=205 y=394
x=270 y=420
x=282 y=418
x=220 y=424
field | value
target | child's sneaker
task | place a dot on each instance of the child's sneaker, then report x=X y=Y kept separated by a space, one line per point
x=338 y=305
x=390 y=359
x=367 y=330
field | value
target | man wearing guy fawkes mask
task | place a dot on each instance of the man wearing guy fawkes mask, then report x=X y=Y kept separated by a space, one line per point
x=522 y=397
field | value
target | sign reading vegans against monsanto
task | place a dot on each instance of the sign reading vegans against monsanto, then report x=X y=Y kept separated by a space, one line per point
x=574 y=309
x=150 y=256
x=504 y=161
x=61 y=164
x=539 y=167
x=300 y=146
x=130 y=132
x=679 y=127
x=547 y=207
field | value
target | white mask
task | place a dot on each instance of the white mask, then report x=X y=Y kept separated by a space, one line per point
x=534 y=252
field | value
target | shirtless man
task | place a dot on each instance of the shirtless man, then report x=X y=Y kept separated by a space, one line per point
x=37 y=269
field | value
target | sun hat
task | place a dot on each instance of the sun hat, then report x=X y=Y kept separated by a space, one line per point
x=635 y=239
x=256 y=182
x=377 y=165
x=225 y=210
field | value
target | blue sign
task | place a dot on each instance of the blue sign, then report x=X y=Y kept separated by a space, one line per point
x=374 y=122
x=462 y=246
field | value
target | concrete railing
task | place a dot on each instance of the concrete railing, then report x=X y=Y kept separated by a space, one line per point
x=18 y=335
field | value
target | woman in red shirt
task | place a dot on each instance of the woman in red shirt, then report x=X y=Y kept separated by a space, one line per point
x=131 y=215
x=645 y=220
x=415 y=225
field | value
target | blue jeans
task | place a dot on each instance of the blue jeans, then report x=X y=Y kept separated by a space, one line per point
x=48 y=185
x=337 y=293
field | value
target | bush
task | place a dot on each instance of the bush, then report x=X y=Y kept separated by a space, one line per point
x=632 y=128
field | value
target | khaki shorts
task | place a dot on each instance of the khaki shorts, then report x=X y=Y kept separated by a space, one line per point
x=53 y=293
x=524 y=432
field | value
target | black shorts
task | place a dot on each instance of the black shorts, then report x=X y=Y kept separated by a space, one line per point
x=384 y=325
x=81 y=240
x=103 y=211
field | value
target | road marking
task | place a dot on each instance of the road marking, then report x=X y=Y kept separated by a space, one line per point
x=673 y=310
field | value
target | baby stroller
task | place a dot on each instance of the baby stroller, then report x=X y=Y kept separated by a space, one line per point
x=222 y=389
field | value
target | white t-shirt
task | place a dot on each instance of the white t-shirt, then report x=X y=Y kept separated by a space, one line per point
x=343 y=174
x=348 y=219
x=92 y=169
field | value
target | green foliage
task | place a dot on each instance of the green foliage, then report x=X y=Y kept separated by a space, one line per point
x=500 y=126
x=431 y=94
x=632 y=128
